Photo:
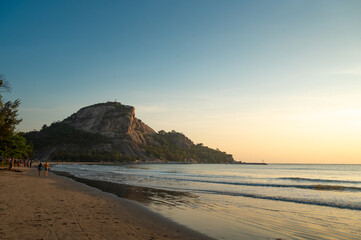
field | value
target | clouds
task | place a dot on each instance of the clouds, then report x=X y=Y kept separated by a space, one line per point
x=348 y=72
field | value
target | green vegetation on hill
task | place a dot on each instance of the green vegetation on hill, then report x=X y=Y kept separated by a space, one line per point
x=91 y=156
x=59 y=133
x=176 y=147
x=118 y=108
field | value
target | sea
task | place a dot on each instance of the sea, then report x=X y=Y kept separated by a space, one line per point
x=237 y=201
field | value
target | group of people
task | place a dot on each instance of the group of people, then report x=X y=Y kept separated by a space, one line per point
x=17 y=162
x=46 y=168
x=27 y=163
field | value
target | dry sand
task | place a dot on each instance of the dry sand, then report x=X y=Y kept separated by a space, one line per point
x=55 y=207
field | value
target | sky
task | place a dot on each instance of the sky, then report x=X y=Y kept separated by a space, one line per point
x=278 y=81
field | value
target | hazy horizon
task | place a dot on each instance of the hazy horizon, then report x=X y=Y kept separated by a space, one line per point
x=277 y=81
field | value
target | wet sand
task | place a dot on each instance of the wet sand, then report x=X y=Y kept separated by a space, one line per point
x=56 y=207
x=144 y=195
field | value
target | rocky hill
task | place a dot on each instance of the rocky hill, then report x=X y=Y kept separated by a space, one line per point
x=111 y=132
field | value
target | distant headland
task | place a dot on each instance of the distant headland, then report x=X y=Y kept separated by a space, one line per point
x=111 y=132
x=251 y=163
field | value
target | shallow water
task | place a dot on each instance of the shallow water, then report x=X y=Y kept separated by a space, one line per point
x=278 y=201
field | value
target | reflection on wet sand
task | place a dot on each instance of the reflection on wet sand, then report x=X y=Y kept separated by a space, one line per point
x=144 y=195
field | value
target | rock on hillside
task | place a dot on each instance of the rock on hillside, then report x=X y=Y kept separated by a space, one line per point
x=112 y=120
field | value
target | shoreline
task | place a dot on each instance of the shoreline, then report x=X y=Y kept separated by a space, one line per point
x=56 y=207
x=141 y=195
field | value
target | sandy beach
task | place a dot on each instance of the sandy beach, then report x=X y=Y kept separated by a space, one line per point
x=56 y=207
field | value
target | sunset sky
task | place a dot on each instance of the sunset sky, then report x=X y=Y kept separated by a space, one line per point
x=278 y=81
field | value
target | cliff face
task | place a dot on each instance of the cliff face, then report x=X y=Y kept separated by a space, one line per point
x=111 y=120
x=111 y=132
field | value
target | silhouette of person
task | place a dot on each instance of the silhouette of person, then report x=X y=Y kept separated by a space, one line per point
x=47 y=167
x=40 y=167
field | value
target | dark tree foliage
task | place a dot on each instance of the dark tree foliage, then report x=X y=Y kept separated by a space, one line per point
x=4 y=87
x=15 y=147
x=176 y=147
x=77 y=144
x=9 y=119
x=12 y=144
x=59 y=133
x=91 y=156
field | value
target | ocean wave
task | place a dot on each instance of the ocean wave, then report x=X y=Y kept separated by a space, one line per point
x=299 y=179
x=312 y=187
x=342 y=205
x=323 y=186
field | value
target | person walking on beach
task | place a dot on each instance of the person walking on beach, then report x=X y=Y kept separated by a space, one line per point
x=47 y=167
x=40 y=167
